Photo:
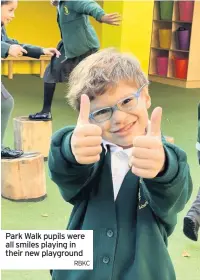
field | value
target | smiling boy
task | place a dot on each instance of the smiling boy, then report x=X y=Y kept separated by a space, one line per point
x=126 y=183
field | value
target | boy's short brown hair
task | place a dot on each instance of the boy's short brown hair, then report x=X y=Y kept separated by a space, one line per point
x=100 y=71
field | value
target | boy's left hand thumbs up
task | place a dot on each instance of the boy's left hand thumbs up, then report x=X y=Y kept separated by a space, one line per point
x=148 y=155
x=154 y=128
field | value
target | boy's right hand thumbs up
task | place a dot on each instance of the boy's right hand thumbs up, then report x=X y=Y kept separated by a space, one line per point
x=86 y=139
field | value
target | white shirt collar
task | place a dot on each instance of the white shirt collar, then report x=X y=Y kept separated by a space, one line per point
x=115 y=148
x=107 y=143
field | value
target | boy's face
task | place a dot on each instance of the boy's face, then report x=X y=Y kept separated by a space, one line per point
x=123 y=127
x=8 y=12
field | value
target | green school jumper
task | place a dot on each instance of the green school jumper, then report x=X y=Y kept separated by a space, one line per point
x=130 y=234
x=78 y=34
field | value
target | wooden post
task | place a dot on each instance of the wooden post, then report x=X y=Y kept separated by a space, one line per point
x=10 y=69
x=23 y=179
x=34 y=136
x=42 y=68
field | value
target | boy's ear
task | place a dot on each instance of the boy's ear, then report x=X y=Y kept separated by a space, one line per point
x=147 y=99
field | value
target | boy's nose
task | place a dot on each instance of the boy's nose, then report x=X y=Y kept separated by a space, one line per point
x=118 y=116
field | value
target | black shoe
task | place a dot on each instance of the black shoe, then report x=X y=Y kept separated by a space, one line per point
x=191 y=228
x=7 y=153
x=41 y=116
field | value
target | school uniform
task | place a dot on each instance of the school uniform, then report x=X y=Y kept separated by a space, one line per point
x=6 y=42
x=198 y=134
x=7 y=101
x=192 y=219
x=131 y=220
x=79 y=38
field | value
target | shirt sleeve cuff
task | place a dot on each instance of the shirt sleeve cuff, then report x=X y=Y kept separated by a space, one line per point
x=99 y=15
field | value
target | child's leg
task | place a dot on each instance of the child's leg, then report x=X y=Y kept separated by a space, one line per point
x=194 y=211
x=198 y=134
x=51 y=78
x=191 y=221
x=49 y=89
x=7 y=104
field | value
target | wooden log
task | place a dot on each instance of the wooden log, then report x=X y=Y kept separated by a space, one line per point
x=34 y=136
x=23 y=179
x=169 y=139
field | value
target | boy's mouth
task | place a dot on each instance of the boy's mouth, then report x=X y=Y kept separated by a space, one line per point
x=125 y=128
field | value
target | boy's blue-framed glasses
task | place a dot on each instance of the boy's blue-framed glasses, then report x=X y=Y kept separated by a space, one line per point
x=126 y=105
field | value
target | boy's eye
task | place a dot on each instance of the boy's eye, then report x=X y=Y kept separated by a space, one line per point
x=102 y=112
x=127 y=101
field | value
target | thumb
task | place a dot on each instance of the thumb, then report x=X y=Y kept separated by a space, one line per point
x=84 y=113
x=23 y=50
x=154 y=128
x=57 y=53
